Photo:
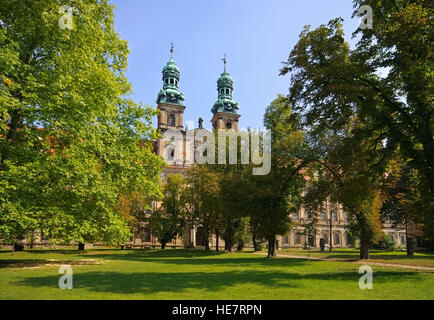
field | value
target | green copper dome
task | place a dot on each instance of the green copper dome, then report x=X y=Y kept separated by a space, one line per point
x=170 y=92
x=171 y=69
x=225 y=103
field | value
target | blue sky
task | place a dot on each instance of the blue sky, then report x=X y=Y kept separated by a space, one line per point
x=256 y=36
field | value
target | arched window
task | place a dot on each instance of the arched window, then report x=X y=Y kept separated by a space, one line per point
x=229 y=125
x=171 y=81
x=172 y=120
x=171 y=154
x=227 y=91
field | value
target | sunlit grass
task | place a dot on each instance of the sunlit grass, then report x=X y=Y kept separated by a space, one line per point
x=191 y=274
x=422 y=259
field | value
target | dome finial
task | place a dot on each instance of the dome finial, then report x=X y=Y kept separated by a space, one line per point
x=224 y=61
x=171 y=50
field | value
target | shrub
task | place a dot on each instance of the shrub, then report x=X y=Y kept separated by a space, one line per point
x=385 y=243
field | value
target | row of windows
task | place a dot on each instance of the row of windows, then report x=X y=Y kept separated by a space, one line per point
x=222 y=91
x=323 y=216
x=171 y=81
x=336 y=239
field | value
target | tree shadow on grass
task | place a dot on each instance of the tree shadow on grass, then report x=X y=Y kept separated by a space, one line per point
x=156 y=282
x=197 y=257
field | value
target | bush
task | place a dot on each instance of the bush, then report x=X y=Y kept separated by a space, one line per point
x=385 y=243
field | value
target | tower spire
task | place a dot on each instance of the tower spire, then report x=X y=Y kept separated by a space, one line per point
x=224 y=62
x=171 y=50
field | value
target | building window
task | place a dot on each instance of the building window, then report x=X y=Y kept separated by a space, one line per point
x=335 y=216
x=172 y=120
x=402 y=239
x=346 y=217
x=227 y=91
x=325 y=236
x=166 y=81
x=229 y=125
x=336 y=238
x=171 y=81
x=323 y=216
x=297 y=239
x=349 y=240
x=296 y=216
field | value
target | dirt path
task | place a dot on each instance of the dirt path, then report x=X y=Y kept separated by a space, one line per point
x=369 y=262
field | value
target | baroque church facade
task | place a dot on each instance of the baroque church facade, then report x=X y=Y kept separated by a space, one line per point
x=332 y=220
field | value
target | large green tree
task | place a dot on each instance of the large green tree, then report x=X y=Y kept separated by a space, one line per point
x=71 y=139
x=169 y=220
x=203 y=196
x=269 y=199
x=385 y=82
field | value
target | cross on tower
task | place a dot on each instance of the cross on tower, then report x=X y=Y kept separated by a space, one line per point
x=224 y=61
x=171 y=50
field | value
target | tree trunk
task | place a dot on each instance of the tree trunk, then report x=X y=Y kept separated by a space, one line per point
x=331 y=233
x=229 y=246
x=240 y=245
x=364 y=250
x=406 y=238
x=216 y=242
x=163 y=245
x=271 y=248
x=32 y=239
x=81 y=246
x=256 y=246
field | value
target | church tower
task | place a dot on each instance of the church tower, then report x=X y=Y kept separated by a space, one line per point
x=170 y=103
x=170 y=100
x=225 y=109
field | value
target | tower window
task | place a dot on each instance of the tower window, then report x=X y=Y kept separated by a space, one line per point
x=171 y=81
x=229 y=125
x=171 y=154
x=166 y=81
x=227 y=91
x=172 y=120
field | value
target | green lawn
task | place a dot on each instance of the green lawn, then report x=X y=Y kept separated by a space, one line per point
x=190 y=274
x=421 y=259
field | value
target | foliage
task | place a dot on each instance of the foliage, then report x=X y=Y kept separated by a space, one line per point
x=269 y=199
x=71 y=139
x=169 y=220
x=385 y=84
x=385 y=243
x=203 y=198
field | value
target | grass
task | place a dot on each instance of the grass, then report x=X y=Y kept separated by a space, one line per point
x=421 y=259
x=191 y=274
